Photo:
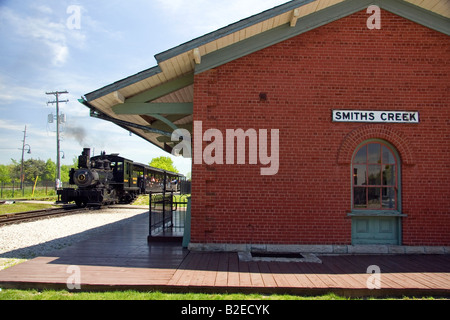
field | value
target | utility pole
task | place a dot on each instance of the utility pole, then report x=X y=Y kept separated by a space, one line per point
x=23 y=151
x=58 y=163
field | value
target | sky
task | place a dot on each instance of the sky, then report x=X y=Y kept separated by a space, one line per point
x=80 y=46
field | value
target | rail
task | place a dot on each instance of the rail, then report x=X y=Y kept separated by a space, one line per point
x=161 y=208
x=18 y=217
x=167 y=215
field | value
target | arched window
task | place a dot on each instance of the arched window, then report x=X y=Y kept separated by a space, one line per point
x=375 y=180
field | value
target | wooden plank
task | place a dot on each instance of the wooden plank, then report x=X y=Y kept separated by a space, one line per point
x=140 y=108
x=210 y=275
x=178 y=275
x=267 y=275
x=255 y=275
x=356 y=274
x=303 y=280
x=315 y=279
x=194 y=276
x=233 y=270
x=407 y=279
x=244 y=274
x=191 y=270
x=285 y=278
x=222 y=271
x=289 y=272
x=341 y=270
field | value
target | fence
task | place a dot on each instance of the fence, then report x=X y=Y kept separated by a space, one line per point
x=13 y=190
x=167 y=215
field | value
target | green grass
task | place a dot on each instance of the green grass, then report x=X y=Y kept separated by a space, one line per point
x=141 y=201
x=144 y=200
x=27 y=193
x=23 y=207
x=10 y=294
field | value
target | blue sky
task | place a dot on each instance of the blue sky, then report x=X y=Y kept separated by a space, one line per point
x=40 y=52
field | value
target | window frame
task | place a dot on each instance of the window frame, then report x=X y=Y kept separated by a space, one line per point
x=397 y=185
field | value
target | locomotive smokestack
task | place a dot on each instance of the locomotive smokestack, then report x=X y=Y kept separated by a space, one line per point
x=84 y=159
x=87 y=152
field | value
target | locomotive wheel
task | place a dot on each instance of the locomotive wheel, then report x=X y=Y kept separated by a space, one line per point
x=80 y=204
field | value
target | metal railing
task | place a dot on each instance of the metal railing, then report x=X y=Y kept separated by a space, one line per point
x=167 y=215
x=12 y=190
x=161 y=209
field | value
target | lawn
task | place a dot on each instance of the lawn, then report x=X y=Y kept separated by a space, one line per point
x=10 y=294
x=23 y=207
x=143 y=200
x=13 y=294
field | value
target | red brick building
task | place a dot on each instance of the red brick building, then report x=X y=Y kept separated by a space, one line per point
x=354 y=104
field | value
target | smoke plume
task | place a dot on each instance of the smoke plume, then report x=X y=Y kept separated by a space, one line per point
x=77 y=133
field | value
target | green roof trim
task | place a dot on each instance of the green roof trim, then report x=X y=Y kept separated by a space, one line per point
x=232 y=28
x=315 y=20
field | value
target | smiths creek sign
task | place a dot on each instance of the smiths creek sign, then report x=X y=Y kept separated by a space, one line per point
x=376 y=116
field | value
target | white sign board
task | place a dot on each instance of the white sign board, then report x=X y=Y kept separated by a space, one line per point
x=376 y=116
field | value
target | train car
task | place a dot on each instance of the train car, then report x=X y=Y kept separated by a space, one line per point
x=110 y=179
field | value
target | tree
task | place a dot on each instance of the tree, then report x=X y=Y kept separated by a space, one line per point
x=49 y=173
x=33 y=168
x=65 y=169
x=164 y=163
x=5 y=173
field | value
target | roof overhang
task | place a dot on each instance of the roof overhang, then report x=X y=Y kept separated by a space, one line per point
x=156 y=101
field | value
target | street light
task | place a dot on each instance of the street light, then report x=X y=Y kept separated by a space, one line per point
x=23 y=151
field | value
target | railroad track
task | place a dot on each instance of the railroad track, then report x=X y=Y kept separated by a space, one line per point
x=39 y=214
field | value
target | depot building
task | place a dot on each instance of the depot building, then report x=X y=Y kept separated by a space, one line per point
x=315 y=125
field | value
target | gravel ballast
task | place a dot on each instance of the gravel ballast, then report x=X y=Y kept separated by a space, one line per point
x=27 y=240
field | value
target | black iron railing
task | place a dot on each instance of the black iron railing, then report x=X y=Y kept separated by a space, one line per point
x=167 y=215
x=161 y=209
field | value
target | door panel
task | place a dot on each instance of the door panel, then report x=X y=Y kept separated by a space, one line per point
x=375 y=230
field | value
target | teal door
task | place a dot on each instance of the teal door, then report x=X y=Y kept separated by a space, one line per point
x=376 y=230
x=376 y=194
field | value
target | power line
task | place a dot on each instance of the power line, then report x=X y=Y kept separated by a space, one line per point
x=58 y=162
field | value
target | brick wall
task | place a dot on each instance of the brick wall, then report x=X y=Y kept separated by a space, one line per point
x=342 y=65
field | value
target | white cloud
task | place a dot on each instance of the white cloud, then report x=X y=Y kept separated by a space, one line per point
x=12 y=93
x=60 y=54
x=46 y=30
x=10 y=126
x=42 y=8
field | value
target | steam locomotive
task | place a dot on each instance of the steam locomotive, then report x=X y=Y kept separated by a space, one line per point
x=110 y=179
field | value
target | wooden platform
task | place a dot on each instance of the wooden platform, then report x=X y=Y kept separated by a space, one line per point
x=122 y=259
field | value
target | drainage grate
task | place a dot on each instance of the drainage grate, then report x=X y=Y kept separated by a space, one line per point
x=276 y=255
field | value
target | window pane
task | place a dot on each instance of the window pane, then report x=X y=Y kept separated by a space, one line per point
x=360 y=175
x=361 y=156
x=388 y=157
x=374 y=198
x=374 y=175
x=389 y=175
x=359 y=197
x=374 y=153
x=389 y=198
